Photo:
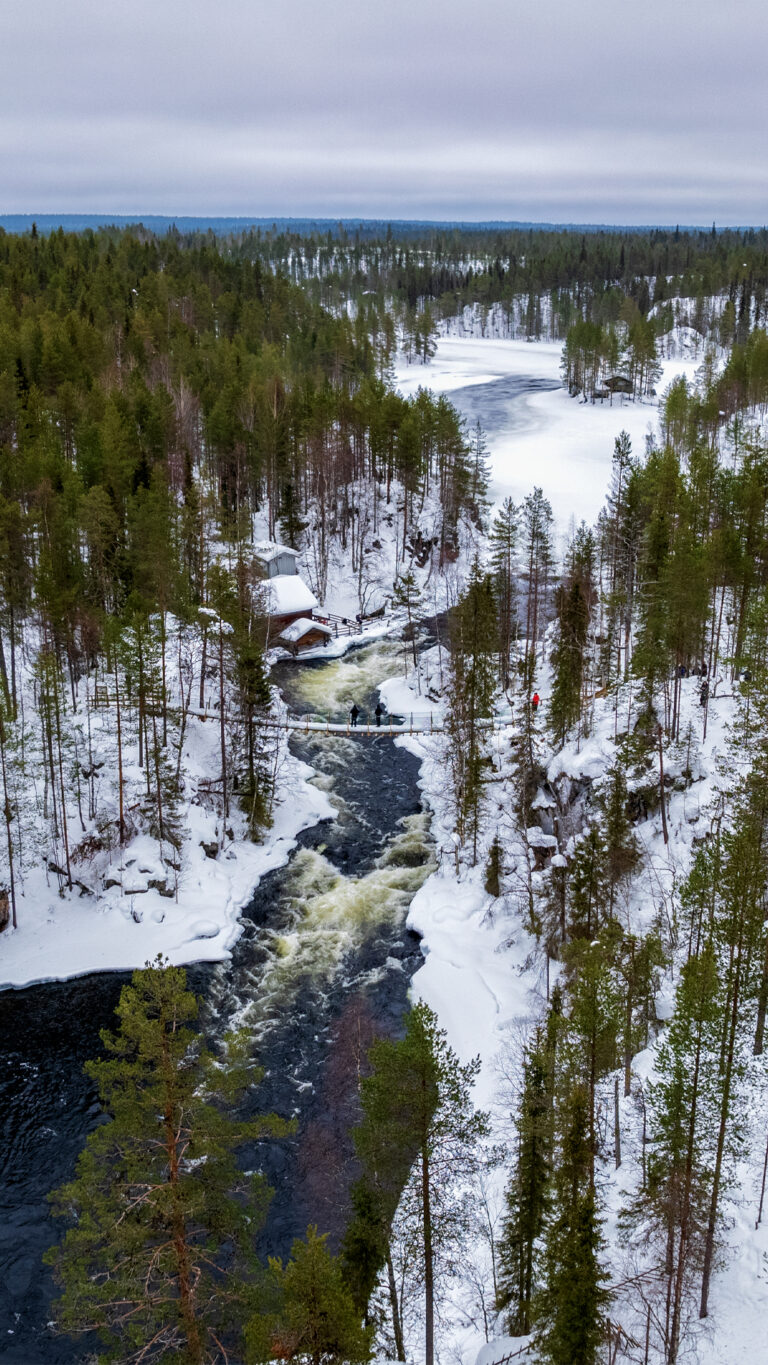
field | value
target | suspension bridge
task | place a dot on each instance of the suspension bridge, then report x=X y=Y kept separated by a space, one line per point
x=414 y=723
x=432 y=722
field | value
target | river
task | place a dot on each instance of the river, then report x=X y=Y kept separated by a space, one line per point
x=324 y=958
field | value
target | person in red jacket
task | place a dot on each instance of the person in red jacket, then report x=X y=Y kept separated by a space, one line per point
x=535 y=699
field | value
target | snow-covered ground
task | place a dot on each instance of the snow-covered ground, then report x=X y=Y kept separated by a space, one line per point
x=483 y=976
x=129 y=923
x=481 y=972
x=544 y=439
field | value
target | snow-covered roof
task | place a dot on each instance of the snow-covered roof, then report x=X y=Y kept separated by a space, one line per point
x=267 y=550
x=288 y=594
x=298 y=629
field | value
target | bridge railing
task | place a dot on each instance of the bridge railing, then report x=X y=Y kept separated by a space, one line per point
x=412 y=722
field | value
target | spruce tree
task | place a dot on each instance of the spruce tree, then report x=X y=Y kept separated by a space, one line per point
x=587 y=885
x=479 y=473
x=537 y=554
x=568 y=660
x=313 y=1318
x=503 y=540
x=527 y=1191
x=622 y=852
x=683 y=1116
x=473 y=684
x=595 y=1016
x=365 y=1246
x=406 y=595
x=253 y=694
x=494 y=867
x=571 y=1307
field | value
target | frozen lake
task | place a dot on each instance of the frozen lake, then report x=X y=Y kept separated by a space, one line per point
x=536 y=433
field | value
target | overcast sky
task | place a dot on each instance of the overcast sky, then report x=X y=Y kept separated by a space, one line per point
x=585 y=111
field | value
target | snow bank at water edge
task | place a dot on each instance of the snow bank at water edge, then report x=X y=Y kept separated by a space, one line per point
x=142 y=913
x=548 y=439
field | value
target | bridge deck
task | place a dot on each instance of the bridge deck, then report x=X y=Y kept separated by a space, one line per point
x=415 y=723
x=423 y=723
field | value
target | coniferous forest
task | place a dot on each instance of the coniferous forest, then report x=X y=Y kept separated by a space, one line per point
x=583 y=1191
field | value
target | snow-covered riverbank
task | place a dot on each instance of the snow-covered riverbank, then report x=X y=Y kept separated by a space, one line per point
x=140 y=915
x=536 y=437
x=485 y=976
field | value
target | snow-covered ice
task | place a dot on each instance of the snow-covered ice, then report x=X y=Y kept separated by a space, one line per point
x=544 y=439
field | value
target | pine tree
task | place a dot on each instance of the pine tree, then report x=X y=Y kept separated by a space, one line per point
x=160 y=1252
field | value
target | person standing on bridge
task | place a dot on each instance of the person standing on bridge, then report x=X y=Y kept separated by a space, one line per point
x=379 y=712
x=353 y=715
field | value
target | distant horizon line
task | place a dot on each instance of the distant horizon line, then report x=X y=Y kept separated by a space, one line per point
x=45 y=222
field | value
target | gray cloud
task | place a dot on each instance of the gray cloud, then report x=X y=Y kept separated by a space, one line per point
x=596 y=111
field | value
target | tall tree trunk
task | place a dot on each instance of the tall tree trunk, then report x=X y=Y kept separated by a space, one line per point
x=222 y=726
x=8 y=813
x=429 y=1268
x=397 y=1325
x=12 y=638
x=676 y=1284
x=165 y=695
x=158 y=782
x=141 y=698
x=762 y=1007
x=628 y=1024
x=725 y=1105
x=190 y=1325
x=662 y=794
x=4 y=673
x=64 y=824
x=121 y=795
x=203 y=661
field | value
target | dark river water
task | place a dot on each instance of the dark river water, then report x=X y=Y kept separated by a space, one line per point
x=500 y=404
x=324 y=958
